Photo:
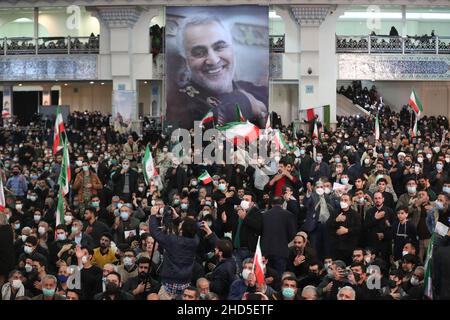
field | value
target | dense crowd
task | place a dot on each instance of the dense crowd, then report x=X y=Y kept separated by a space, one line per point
x=340 y=210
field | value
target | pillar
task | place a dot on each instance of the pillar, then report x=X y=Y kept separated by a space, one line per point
x=47 y=95
x=318 y=60
x=7 y=110
x=36 y=22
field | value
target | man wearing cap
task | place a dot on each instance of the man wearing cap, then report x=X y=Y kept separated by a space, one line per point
x=300 y=255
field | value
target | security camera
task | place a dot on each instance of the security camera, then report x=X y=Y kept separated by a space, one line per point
x=309 y=70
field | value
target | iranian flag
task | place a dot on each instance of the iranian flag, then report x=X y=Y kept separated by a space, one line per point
x=268 y=125
x=279 y=141
x=310 y=114
x=57 y=132
x=415 y=103
x=377 y=128
x=258 y=265
x=205 y=178
x=234 y=131
x=209 y=117
x=428 y=271
x=148 y=165
x=239 y=115
x=60 y=209
x=65 y=173
x=2 y=196
x=315 y=133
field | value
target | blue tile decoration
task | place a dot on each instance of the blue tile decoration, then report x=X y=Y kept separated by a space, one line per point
x=48 y=67
x=393 y=67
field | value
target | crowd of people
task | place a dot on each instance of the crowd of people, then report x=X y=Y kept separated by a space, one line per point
x=363 y=97
x=344 y=217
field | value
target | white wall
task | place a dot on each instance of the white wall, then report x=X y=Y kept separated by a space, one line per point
x=284 y=101
x=94 y=97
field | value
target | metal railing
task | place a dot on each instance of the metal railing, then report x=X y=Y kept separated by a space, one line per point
x=50 y=45
x=277 y=43
x=393 y=44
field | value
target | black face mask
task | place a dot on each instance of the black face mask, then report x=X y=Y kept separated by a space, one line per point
x=357 y=276
x=392 y=283
x=111 y=288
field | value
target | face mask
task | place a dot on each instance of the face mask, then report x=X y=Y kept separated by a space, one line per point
x=446 y=189
x=141 y=189
x=16 y=283
x=68 y=219
x=127 y=261
x=392 y=283
x=320 y=191
x=288 y=293
x=84 y=259
x=176 y=202
x=344 y=181
x=119 y=205
x=344 y=205
x=245 y=204
x=124 y=215
x=439 y=166
x=193 y=183
x=125 y=166
x=18 y=207
x=414 y=281
x=27 y=249
x=429 y=155
x=205 y=213
x=79 y=163
x=48 y=292
x=90 y=155
x=17 y=226
x=74 y=229
x=302 y=151
x=337 y=160
x=61 y=236
x=41 y=230
x=436 y=149
x=85 y=168
x=386 y=154
x=222 y=187
x=439 y=205
x=404 y=253
x=184 y=206
x=202 y=296
x=411 y=189
x=62 y=278
x=318 y=159
x=95 y=204
x=111 y=288
x=361 y=200
x=28 y=268
x=245 y=274
x=420 y=159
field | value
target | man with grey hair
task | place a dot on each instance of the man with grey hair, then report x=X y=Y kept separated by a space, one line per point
x=346 y=293
x=309 y=293
x=48 y=284
x=206 y=48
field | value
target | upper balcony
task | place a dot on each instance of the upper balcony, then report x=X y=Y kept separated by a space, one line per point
x=393 y=44
x=49 y=45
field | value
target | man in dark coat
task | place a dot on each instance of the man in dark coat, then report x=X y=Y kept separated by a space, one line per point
x=279 y=227
x=344 y=228
x=125 y=181
x=6 y=248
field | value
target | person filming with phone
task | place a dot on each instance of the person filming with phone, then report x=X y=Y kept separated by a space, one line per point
x=179 y=253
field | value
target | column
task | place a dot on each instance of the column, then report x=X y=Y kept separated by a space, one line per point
x=318 y=62
x=36 y=22
x=404 y=26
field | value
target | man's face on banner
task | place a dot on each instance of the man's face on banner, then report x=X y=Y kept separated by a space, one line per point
x=210 y=57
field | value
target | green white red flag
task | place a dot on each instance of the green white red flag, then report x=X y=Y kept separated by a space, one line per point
x=235 y=131
x=2 y=196
x=209 y=117
x=258 y=265
x=377 y=128
x=58 y=131
x=205 y=178
x=65 y=174
x=148 y=166
x=415 y=103
x=239 y=115
x=428 y=270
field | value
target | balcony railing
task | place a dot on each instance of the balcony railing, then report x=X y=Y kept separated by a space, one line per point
x=393 y=44
x=50 y=45
x=276 y=43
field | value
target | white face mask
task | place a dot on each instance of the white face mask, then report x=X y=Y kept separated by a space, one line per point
x=344 y=181
x=79 y=163
x=16 y=283
x=245 y=274
x=414 y=281
x=319 y=191
x=429 y=155
x=318 y=158
x=27 y=249
x=404 y=253
x=23 y=237
x=41 y=230
x=125 y=166
x=344 y=205
x=68 y=219
x=37 y=218
x=245 y=204
x=18 y=207
x=127 y=261
x=141 y=189
x=420 y=159
x=327 y=190
x=61 y=236
x=411 y=189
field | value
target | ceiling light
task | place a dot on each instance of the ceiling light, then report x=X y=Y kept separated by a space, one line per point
x=102 y=83
x=91 y=82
